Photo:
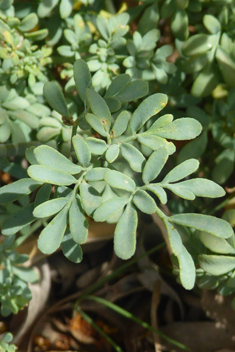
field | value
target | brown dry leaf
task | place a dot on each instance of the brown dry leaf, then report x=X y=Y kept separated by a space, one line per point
x=82 y=330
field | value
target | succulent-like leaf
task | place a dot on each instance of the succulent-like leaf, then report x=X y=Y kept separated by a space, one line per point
x=51 y=175
x=118 y=180
x=181 y=129
x=82 y=150
x=90 y=198
x=55 y=98
x=71 y=249
x=82 y=78
x=17 y=221
x=48 y=156
x=158 y=191
x=112 y=153
x=96 y=124
x=216 y=264
x=99 y=108
x=116 y=86
x=125 y=233
x=226 y=65
x=160 y=122
x=25 y=274
x=181 y=171
x=144 y=202
x=212 y=24
x=135 y=90
x=50 y=207
x=154 y=142
x=202 y=188
x=43 y=194
x=28 y=23
x=96 y=174
x=154 y=164
x=120 y=124
x=187 y=269
x=78 y=223
x=216 y=244
x=205 y=82
x=207 y=223
x=109 y=208
x=18 y=189
x=52 y=235
x=196 y=45
x=96 y=146
x=133 y=156
x=148 y=108
x=180 y=191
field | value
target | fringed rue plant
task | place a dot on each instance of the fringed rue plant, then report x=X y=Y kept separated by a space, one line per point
x=114 y=172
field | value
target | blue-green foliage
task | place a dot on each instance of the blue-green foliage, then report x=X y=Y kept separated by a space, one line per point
x=94 y=182
x=104 y=145
x=4 y=343
x=14 y=291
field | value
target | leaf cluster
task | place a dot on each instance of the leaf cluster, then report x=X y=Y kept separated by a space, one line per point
x=104 y=149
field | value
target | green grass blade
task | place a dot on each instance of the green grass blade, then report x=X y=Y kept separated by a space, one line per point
x=129 y=315
x=97 y=328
